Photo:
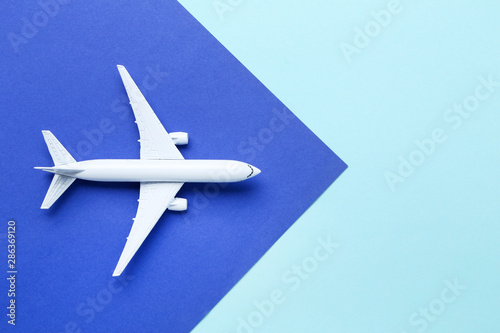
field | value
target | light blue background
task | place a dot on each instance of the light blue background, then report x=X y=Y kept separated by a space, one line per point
x=396 y=248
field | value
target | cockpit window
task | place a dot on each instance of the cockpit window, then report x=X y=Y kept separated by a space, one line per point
x=251 y=173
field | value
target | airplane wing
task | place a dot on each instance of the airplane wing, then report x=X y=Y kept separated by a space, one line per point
x=156 y=143
x=154 y=199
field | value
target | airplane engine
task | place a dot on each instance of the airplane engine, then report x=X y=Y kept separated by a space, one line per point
x=178 y=205
x=179 y=138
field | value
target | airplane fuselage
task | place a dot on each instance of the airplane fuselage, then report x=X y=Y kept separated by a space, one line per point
x=179 y=171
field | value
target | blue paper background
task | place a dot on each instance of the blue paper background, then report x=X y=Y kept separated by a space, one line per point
x=397 y=248
x=62 y=77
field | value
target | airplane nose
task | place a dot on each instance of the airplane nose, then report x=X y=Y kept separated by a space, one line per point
x=254 y=171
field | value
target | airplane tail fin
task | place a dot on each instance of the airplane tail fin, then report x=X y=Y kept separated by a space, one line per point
x=60 y=156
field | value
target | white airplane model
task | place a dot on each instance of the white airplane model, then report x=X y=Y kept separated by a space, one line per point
x=161 y=170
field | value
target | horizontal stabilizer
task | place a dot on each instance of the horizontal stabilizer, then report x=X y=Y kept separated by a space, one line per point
x=57 y=187
x=59 y=154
